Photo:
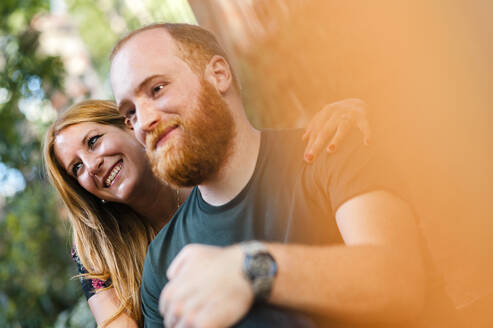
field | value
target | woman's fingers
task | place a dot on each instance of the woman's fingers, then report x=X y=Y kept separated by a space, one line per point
x=306 y=134
x=364 y=126
x=309 y=128
x=342 y=130
x=319 y=139
x=320 y=119
x=360 y=118
x=332 y=124
x=315 y=124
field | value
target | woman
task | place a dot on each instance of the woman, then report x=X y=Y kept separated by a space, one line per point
x=104 y=178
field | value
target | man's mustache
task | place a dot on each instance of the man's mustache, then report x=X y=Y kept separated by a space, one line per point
x=162 y=128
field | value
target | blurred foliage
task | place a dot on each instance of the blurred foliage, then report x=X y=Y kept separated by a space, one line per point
x=34 y=266
x=95 y=31
x=102 y=23
x=20 y=63
x=36 y=289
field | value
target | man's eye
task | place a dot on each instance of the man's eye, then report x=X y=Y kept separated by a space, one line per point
x=92 y=140
x=129 y=117
x=130 y=113
x=157 y=88
x=75 y=168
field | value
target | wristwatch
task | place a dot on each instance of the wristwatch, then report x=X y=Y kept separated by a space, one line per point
x=260 y=268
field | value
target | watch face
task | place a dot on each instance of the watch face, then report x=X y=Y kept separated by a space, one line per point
x=262 y=265
x=260 y=268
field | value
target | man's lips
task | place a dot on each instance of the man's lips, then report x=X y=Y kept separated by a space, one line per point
x=161 y=139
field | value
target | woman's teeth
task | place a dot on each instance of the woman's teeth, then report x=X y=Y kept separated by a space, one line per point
x=112 y=175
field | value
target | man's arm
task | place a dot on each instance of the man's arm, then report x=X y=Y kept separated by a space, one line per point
x=377 y=276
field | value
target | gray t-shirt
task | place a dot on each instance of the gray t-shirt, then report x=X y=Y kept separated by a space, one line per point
x=286 y=200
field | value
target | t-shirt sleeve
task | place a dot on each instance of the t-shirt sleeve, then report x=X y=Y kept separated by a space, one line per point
x=356 y=169
x=150 y=290
x=89 y=286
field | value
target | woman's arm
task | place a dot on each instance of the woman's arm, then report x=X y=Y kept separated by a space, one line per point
x=330 y=125
x=104 y=305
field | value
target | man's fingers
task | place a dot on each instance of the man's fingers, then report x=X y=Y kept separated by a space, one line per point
x=170 y=321
x=164 y=300
x=189 y=313
x=342 y=130
x=208 y=317
x=173 y=315
x=180 y=260
x=171 y=304
x=186 y=322
x=186 y=311
x=175 y=267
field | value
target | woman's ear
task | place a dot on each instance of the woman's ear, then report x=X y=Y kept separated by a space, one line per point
x=219 y=74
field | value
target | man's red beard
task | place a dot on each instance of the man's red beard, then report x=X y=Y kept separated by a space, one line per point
x=203 y=146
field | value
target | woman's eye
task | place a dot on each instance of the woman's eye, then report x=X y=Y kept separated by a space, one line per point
x=92 y=140
x=75 y=168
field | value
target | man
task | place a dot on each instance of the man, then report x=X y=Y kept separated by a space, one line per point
x=338 y=244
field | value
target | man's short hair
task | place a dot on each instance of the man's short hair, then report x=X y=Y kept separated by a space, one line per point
x=196 y=45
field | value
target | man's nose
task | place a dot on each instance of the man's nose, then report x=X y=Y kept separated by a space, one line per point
x=147 y=116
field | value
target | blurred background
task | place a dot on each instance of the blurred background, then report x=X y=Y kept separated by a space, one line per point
x=423 y=67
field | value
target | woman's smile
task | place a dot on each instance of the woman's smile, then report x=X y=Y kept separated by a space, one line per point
x=112 y=166
x=113 y=174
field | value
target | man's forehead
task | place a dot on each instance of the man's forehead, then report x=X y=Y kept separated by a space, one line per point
x=149 y=42
x=140 y=56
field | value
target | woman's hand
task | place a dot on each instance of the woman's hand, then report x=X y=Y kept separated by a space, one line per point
x=330 y=125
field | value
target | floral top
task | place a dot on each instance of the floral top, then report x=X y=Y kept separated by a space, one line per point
x=89 y=286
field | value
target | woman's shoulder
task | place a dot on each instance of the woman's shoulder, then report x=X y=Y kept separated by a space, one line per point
x=89 y=285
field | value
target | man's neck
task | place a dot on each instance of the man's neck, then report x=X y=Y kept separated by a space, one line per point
x=237 y=170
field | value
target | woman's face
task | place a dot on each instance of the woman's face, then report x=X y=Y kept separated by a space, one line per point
x=106 y=161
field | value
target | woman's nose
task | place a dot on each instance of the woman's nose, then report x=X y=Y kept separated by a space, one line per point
x=94 y=165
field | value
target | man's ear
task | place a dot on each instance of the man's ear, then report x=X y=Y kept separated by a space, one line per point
x=128 y=124
x=219 y=74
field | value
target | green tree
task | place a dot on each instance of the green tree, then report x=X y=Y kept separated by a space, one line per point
x=36 y=289
x=34 y=266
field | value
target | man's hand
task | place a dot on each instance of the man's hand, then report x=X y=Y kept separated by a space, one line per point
x=206 y=288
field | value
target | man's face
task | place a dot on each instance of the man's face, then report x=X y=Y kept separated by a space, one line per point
x=203 y=146
x=182 y=120
x=151 y=83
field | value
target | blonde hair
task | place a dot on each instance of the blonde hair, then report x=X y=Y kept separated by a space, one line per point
x=111 y=239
